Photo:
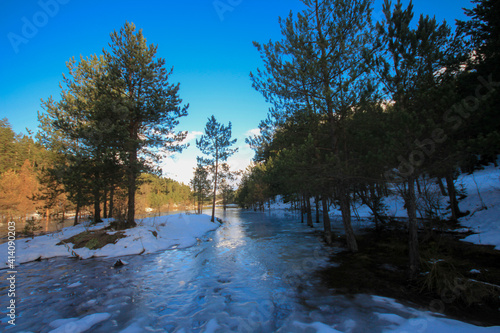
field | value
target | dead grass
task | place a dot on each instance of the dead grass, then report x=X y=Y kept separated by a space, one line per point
x=93 y=240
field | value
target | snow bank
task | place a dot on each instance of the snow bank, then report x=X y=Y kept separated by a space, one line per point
x=151 y=235
x=483 y=203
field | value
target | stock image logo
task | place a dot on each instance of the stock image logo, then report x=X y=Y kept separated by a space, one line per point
x=31 y=25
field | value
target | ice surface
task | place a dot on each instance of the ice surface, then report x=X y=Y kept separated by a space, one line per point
x=253 y=274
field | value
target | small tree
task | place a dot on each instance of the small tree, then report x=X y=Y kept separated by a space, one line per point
x=216 y=143
x=200 y=185
x=227 y=177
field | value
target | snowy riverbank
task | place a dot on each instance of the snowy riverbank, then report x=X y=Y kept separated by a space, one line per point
x=482 y=190
x=151 y=235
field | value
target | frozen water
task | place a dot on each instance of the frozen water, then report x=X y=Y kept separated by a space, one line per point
x=251 y=275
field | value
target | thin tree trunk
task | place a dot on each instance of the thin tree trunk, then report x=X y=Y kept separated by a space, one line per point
x=316 y=201
x=105 y=203
x=413 y=229
x=441 y=186
x=326 y=220
x=418 y=187
x=97 y=203
x=77 y=212
x=345 y=207
x=302 y=209
x=309 y=212
x=215 y=186
x=111 y=198
x=131 y=188
x=452 y=194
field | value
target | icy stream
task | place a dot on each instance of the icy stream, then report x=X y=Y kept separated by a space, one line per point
x=251 y=275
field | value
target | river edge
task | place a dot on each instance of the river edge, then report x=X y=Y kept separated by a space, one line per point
x=458 y=279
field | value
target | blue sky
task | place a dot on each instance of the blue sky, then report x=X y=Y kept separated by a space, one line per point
x=210 y=49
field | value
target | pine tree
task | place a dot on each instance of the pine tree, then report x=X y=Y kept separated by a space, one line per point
x=320 y=66
x=76 y=129
x=227 y=177
x=216 y=143
x=137 y=89
x=7 y=146
x=411 y=64
x=200 y=185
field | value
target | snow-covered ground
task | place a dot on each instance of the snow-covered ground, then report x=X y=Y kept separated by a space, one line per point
x=483 y=203
x=151 y=235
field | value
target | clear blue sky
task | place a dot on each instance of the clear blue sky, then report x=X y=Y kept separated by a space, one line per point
x=211 y=52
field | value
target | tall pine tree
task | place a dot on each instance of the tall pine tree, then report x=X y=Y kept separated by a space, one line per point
x=216 y=143
x=137 y=89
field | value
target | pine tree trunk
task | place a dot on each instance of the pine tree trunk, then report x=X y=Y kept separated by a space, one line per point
x=111 y=198
x=345 y=207
x=302 y=209
x=77 y=211
x=326 y=221
x=452 y=193
x=215 y=187
x=441 y=187
x=309 y=212
x=97 y=204
x=413 y=229
x=418 y=187
x=105 y=203
x=316 y=201
x=131 y=188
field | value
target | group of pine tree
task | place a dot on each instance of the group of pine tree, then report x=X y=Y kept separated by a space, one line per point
x=365 y=109
x=101 y=140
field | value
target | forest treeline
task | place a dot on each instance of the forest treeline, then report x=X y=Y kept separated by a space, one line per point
x=363 y=109
x=27 y=189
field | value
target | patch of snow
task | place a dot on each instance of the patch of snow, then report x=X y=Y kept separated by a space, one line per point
x=319 y=327
x=483 y=203
x=211 y=326
x=133 y=328
x=391 y=318
x=388 y=302
x=79 y=325
x=60 y=322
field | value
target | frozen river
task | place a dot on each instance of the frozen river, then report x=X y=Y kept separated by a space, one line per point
x=251 y=275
